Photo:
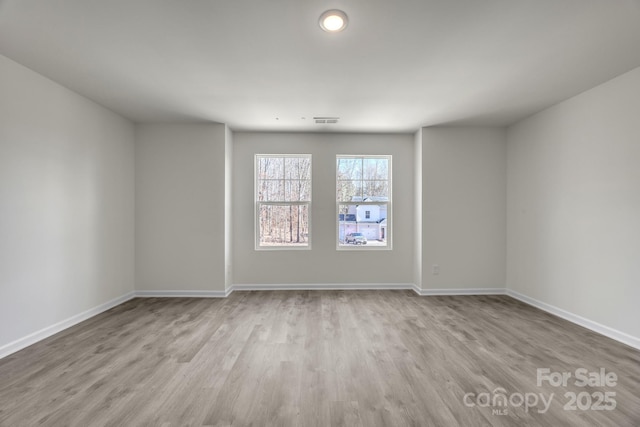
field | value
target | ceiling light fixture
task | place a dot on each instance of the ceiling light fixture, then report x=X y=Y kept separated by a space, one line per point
x=333 y=21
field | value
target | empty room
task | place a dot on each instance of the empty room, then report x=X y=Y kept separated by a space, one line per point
x=319 y=213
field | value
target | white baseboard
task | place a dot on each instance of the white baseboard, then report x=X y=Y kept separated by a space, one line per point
x=33 y=338
x=184 y=294
x=323 y=287
x=460 y=291
x=578 y=320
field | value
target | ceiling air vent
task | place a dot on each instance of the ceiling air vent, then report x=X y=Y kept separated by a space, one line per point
x=326 y=120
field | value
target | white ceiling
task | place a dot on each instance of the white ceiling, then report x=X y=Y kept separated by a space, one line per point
x=399 y=65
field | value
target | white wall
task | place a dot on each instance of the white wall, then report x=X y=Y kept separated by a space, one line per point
x=228 y=210
x=323 y=263
x=66 y=203
x=180 y=207
x=417 y=206
x=463 y=208
x=574 y=205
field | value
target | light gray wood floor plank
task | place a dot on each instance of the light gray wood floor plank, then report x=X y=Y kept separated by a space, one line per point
x=312 y=358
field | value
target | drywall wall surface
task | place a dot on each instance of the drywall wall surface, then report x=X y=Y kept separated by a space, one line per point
x=66 y=204
x=417 y=217
x=463 y=208
x=180 y=207
x=574 y=205
x=323 y=264
x=228 y=208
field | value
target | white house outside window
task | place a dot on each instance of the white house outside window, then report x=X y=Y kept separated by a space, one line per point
x=283 y=201
x=363 y=194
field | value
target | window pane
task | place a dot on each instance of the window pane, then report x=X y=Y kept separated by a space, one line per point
x=349 y=191
x=297 y=168
x=375 y=169
x=270 y=190
x=270 y=167
x=349 y=169
x=298 y=191
x=376 y=191
x=284 y=225
x=360 y=225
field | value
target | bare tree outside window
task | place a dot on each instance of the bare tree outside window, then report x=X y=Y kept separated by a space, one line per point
x=283 y=200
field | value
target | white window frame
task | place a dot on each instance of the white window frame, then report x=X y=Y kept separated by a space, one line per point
x=259 y=203
x=388 y=231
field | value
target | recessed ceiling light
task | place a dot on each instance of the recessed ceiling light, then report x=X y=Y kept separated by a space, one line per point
x=333 y=21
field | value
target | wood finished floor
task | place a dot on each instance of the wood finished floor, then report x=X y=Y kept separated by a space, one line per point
x=310 y=358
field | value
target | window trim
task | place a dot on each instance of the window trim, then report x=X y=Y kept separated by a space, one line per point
x=389 y=204
x=257 y=204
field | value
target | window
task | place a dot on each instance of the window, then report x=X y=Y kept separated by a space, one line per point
x=363 y=193
x=283 y=201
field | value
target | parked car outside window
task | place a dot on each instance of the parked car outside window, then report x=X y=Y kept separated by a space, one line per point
x=356 y=239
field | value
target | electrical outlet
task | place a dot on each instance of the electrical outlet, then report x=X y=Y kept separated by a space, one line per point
x=435 y=269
